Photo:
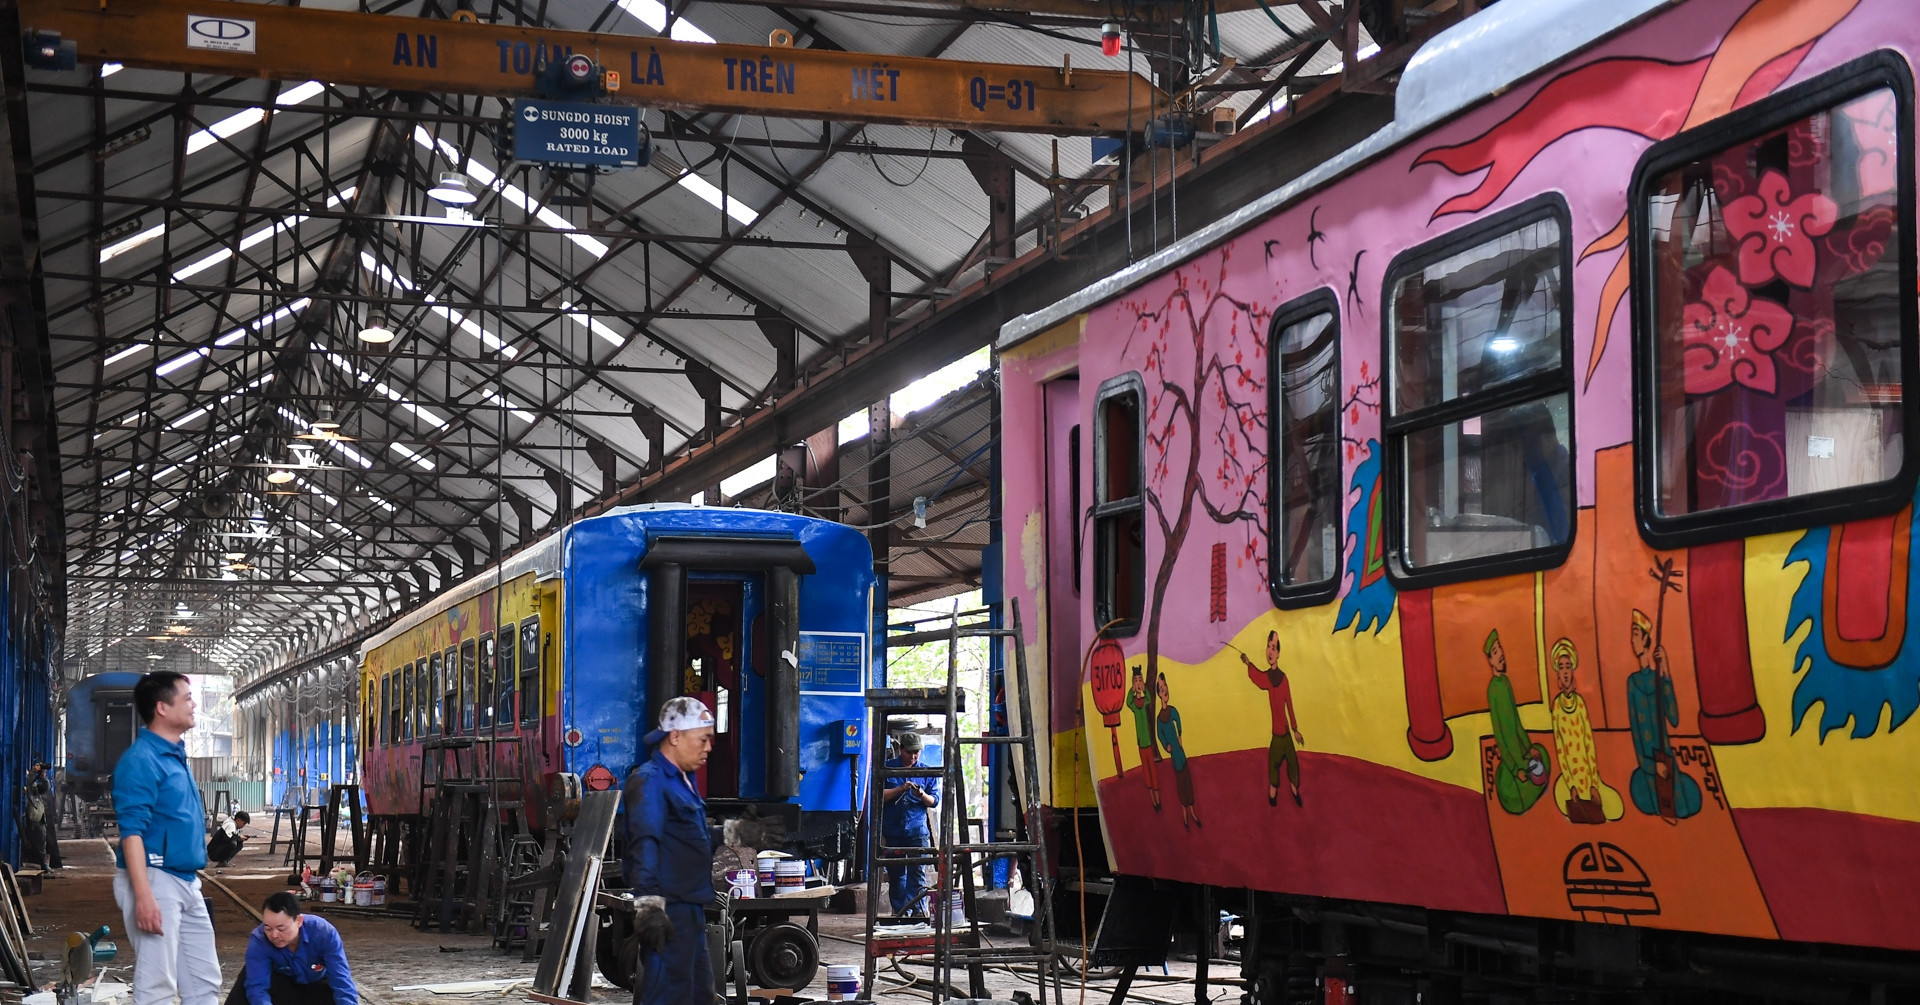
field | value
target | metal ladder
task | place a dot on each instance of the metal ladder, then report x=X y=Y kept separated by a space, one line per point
x=953 y=851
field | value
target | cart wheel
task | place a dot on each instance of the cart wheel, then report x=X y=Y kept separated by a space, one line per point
x=617 y=951
x=783 y=956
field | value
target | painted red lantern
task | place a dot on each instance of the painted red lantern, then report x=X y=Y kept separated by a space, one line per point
x=1107 y=665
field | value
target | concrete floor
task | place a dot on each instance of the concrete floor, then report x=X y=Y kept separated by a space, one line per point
x=388 y=953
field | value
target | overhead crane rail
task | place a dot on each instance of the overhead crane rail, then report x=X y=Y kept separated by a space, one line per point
x=348 y=48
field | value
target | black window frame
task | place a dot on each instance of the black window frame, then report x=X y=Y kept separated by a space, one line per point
x=1289 y=596
x=423 y=688
x=1113 y=387
x=506 y=675
x=386 y=709
x=484 y=684
x=1394 y=428
x=530 y=711
x=1829 y=90
x=450 y=688
x=404 y=674
x=436 y=684
x=469 y=650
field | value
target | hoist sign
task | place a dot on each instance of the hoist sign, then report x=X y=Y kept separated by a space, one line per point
x=566 y=132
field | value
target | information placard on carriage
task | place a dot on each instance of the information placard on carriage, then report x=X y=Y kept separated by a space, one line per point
x=833 y=661
x=567 y=132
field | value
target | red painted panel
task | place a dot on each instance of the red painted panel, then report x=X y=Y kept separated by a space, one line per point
x=1830 y=876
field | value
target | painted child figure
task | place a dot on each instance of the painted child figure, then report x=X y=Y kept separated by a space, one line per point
x=1520 y=765
x=1284 y=750
x=1143 y=730
x=1577 y=790
x=1170 y=729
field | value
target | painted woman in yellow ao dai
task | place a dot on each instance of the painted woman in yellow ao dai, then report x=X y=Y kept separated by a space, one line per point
x=1578 y=790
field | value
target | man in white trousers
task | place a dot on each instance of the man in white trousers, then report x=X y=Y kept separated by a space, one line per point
x=162 y=847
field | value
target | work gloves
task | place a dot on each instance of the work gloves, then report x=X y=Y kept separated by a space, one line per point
x=650 y=923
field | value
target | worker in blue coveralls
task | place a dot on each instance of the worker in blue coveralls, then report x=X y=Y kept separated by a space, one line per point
x=163 y=826
x=293 y=959
x=903 y=824
x=668 y=858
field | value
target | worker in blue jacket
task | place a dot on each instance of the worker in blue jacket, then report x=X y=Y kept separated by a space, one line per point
x=668 y=858
x=293 y=959
x=903 y=825
x=163 y=827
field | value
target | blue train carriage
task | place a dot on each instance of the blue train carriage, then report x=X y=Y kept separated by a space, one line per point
x=562 y=657
x=100 y=726
x=767 y=617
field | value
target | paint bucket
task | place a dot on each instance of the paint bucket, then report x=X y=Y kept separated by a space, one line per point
x=790 y=875
x=740 y=883
x=327 y=891
x=843 y=983
x=765 y=865
x=957 y=908
x=379 y=891
x=363 y=891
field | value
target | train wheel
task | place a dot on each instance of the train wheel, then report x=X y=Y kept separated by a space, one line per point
x=783 y=956
x=617 y=951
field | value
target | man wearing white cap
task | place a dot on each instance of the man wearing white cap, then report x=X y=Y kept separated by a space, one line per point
x=668 y=860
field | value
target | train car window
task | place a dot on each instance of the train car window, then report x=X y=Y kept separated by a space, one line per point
x=1119 y=514
x=1305 y=450
x=467 y=666
x=396 y=705
x=450 y=693
x=483 y=685
x=386 y=705
x=405 y=676
x=371 y=734
x=439 y=687
x=1479 y=423
x=530 y=690
x=1774 y=320
x=507 y=648
x=423 y=688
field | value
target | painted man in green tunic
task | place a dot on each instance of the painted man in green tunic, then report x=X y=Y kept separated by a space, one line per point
x=1519 y=765
x=1143 y=728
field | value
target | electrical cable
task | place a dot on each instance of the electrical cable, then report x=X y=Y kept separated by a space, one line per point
x=932 y=135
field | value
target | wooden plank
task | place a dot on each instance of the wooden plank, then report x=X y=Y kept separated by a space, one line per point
x=591 y=832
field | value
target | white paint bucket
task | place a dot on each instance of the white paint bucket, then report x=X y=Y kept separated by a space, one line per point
x=741 y=883
x=765 y=865
x=843 y=983
x=790 y=875
x=379 y=891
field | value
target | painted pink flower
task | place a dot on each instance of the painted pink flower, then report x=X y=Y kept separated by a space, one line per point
x=1776 y=231
x=1730 y=337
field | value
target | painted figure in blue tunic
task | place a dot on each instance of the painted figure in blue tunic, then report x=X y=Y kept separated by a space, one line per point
x=1167 y=725
x=1659 y=787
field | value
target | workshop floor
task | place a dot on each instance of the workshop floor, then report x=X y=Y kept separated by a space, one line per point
x=387 y=954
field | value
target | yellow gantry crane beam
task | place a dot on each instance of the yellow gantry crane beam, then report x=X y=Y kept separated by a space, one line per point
x=467 y=57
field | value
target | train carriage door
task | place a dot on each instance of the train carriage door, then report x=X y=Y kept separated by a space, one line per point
x=704 y=597
x=117 y=728
x=1064 y=507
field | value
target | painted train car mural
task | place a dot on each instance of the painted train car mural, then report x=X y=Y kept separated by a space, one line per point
x=557 y=663
x=1513 y=516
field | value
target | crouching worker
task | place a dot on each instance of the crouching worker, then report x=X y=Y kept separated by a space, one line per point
x=227 y=840
x=668 y=860
x=293 y=959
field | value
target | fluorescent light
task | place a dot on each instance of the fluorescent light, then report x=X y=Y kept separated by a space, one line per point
x=127 y=353
x=740 y=211
x=119 y=248
x=592 y=324
x=515 y=410
x=246 y=119
x=411 y=455
x=109 y=69
x=653 y=14
x=179 y=361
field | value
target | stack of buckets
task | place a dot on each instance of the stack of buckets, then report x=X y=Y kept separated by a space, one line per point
x=780 y=873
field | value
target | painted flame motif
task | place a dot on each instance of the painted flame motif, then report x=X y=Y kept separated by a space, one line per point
x=1647 y=97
